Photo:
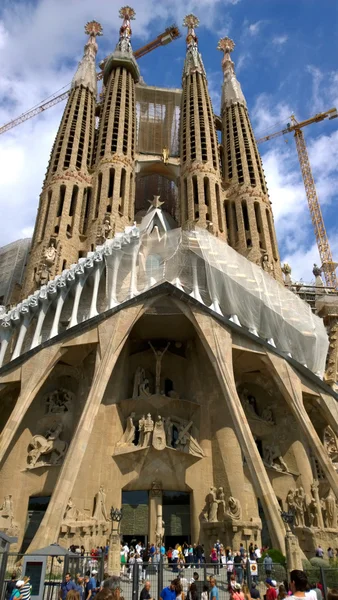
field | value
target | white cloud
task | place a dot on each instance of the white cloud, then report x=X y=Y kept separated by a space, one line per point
x=40 y=49
x=280 y=40
x=254 y=28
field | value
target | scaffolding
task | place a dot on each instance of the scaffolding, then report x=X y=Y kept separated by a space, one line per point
x=157 y=119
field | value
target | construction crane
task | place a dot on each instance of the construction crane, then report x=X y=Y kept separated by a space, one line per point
x=328 y=265
x=169 y=35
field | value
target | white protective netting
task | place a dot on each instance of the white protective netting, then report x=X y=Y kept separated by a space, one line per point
x=214 y=273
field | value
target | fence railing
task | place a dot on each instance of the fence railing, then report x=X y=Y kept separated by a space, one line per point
x=160 y=574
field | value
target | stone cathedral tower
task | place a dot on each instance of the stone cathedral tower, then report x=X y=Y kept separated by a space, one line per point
x=153 y=363
x=248 y=211
x=201 y=189
x=59 y=235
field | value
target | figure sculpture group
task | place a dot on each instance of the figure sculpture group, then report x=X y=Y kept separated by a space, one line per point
x=216 y=508
x=313 y=511
x=171 y=432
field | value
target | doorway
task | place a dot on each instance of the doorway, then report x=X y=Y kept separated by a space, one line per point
x=37 y=506
x=176 y=516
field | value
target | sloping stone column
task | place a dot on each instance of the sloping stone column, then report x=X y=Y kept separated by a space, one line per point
x=113 y=334
x=217 y=342
x=290 y=387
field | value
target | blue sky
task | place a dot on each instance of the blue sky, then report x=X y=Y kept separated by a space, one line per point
x=285 y=57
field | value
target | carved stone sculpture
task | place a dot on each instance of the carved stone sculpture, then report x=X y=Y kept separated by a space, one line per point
x=50 y=253
x=47 y=450
x=141 y=424
x=148 y=429
x=168 y=427
x=7 y=523
x=299 y=501
x=273 y=458
x=104 y=231
x=249 y=403
x=159 y=437
x=331 y=445
x=100 y=511
x=6 y=512
x=212 y=505
x=234 y=510
x=42 y=275
x=290 y=499
x=221 y=505
x=160 y=527
x=59 y=401
x=315 y=493
x=267 y=415
x=129 y=432
x=286 y=269
x=72 y=513
x=138 y=380
x=313 y=513
x=330 y=510
x=266 y=265
x=158 y=357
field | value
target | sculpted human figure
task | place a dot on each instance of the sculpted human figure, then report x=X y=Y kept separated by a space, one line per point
x=148 y=429
x=50 y=253
x=141 y=425
x=221 y=504
x=129 y=433
x=330 y=510
x=42 y=275
x=158 y=356
x=235 y=510
x=100 y=512
x=273 y=457
x=313 y=512
x=50 y=444
x=290 y=499
x=159 y=438
x=7 y=512
x=138 y=380
x=267 y=414
x=168 y=426
x=213 y=505
x=299 y=498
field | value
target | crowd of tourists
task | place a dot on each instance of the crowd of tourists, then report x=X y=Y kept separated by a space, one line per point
x=298 y=588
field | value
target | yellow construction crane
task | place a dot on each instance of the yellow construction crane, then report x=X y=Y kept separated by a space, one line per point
x=169 y=35
x=328 y=265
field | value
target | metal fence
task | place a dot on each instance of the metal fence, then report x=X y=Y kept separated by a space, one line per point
x=133 y=575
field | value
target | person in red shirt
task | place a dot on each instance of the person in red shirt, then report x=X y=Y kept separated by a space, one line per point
x=271 y=592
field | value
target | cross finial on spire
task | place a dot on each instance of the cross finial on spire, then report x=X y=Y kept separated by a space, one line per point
x=191 y=22
x=227 y=46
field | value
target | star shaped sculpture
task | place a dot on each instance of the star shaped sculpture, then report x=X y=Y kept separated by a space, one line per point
x=155 y=203
x=93 y=28
x=226 y=45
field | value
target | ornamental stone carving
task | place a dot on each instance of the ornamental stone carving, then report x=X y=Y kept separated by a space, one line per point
x=273 y=458
x=72 y=513
x=7 y=523
x=129 y=432
x=47 y=450
x=159 y=437
x=235 y=509
x=330 y=510
x=331 y=446
x=59 y=401
x=100 y=510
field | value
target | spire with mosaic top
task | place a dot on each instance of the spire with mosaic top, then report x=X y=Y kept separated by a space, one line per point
x=193 y=61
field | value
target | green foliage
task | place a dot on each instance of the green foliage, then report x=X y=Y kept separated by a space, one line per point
x=276 y=555
x=315 y=561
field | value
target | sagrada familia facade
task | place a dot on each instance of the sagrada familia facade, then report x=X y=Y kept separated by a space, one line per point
x=157 y=361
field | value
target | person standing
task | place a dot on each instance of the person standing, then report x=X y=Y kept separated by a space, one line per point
x=16 y=592
x=213 y=595
x=169 y=593
x=267 y=562
x=10 y=586
x=254 y=592
x=238 y=564
x=174 y=559
x=214 y=559
x=298 y=584
x=271 y=592
x=26 y=589
x=145 y=592
x=79 y=587
x=67 y=585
